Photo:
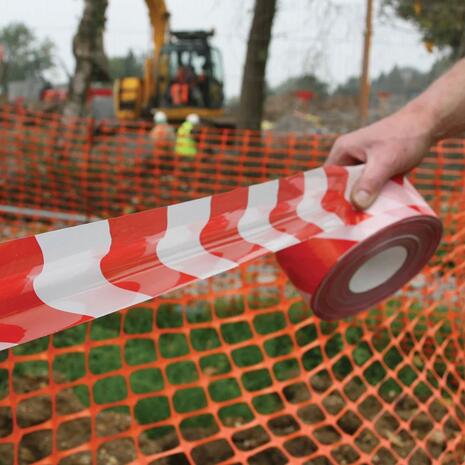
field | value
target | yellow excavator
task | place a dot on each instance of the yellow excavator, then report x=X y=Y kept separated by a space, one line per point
x=183 y=75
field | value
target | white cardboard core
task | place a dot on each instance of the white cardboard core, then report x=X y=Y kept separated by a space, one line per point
x=378 y=269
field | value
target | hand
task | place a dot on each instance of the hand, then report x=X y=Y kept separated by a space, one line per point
x=391 y=146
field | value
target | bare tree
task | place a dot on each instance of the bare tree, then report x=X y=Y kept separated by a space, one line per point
x=253 y=80
x=91 y=60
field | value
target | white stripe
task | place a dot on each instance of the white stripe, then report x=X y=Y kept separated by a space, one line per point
x=6 y=345
x=309 y=208
x=71 y=279
x=181 y=249
x=370 y=226
x=255 y=226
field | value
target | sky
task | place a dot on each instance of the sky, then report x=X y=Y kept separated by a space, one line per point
x=323 y=37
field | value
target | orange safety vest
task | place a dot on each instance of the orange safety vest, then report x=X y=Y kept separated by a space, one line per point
x=180 y=94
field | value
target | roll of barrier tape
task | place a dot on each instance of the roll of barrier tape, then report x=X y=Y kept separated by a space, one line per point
x=341 y=259
x=343 y=271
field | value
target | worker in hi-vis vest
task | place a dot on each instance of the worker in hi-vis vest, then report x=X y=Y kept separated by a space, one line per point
x=162 y=133
x=186 y=144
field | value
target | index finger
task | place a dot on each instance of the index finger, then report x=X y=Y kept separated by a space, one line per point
x=345 y=155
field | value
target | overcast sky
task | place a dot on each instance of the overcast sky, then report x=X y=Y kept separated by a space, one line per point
x=319 y=36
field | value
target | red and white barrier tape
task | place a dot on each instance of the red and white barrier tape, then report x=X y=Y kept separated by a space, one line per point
x=52 y=281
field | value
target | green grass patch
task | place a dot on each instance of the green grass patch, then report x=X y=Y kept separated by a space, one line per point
x=215 y=364
x=107 y=327
x=224 y=389
x=267 y=404
x=299 y=312
x=3 y=355
x=104 y=359
x=375 y=373
x=234 y=333
x=35 y=369
x=247 y=356
x=151 y=410
x=204 y=339
x=69 y=367
x=407 y=375
x=334 y=346
x=227 y=307
x=4 y=387
x=111 y=389
x=256 y=380
x=173 y=345
x=138 y=321
x=342 y=368
x=236 y=414
x=361 y=353
x=312 y=358
x=189 y=400
x=306 y=335
x=147 y=380
x=199 y=426
x=70 y=337
x=286 y=369
x=33 y=347
x=281 y=345
x=182 y=373
x=198 y=312
x=169 y=316
x=269 y=322
x=139 y=351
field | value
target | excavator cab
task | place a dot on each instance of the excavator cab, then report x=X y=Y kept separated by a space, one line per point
x=190 y=73
x=186 y=78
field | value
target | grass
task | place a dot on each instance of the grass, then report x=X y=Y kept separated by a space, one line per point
x=343 y=350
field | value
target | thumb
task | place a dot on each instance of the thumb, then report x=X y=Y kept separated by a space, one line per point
x=370 y=183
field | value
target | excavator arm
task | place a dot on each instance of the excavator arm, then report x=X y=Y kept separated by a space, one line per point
x=132 y=94
x=159 y=20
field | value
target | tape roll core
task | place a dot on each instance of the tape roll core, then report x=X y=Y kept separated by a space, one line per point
x=418 y=236
x=378 y=269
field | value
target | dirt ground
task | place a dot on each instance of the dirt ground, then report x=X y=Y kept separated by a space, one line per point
x=38 y=445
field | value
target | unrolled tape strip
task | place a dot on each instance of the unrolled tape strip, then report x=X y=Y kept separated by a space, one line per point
x=342 y=260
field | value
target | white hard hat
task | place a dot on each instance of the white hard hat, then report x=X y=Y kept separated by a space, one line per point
x=160 y=117
x=193 y=118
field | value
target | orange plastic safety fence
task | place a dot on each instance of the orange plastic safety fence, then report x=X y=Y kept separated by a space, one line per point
x=233 y=370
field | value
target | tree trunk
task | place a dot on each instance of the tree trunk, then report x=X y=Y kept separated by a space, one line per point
x=91 y=60
x=253 y=80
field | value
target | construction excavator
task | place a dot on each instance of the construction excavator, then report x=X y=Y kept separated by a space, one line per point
x=183 y=75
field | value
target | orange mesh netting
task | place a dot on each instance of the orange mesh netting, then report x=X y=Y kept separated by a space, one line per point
x=233 y=370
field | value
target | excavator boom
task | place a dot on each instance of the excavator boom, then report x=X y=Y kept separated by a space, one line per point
x=159 y=20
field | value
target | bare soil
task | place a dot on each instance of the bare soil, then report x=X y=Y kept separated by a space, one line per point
x=38 y=445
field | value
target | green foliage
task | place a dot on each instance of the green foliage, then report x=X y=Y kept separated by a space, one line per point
x=440 y=23
x=129 y=65
x=24 y=55
x=405 y=81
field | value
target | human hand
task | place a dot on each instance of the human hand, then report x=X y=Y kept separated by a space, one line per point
x=391 y=146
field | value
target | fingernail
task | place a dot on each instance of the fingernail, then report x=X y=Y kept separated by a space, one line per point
x=363 y=198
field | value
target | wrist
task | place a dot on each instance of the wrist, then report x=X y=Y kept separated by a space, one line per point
x=422 y=119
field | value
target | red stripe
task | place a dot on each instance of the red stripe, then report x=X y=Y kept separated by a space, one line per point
x=23 y=315
x=334 y=200
x=284 y=216
x=132 y=262
x=320 y=256
x=221 y=237
x=399 y=179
